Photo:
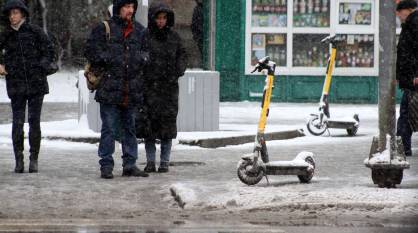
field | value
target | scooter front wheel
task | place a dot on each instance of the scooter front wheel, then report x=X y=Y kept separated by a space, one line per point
x=247 y=174
x=315 y=127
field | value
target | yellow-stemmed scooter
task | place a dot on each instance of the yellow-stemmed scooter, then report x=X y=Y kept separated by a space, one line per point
x=320 y=122
x=250 y=168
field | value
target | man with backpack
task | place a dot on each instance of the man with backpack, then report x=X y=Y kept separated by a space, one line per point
x=28 y=57
x=119 y=91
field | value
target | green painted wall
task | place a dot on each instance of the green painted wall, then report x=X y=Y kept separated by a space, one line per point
x=309 y=89
x=229 y=46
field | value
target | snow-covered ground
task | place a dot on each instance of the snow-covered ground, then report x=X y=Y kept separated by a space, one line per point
x=68 y=185
x=238 y=118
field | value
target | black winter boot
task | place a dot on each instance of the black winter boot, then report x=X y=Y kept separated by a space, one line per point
x=134 y=171
x=163 y=167
x=33 y=165
x=106 y=173
x=19 y=163
x=150 y=167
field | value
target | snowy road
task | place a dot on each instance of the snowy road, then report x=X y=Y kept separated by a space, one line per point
x=341 y=196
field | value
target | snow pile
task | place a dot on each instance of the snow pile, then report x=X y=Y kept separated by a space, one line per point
x=183 y=195
x=384 y=158
x=293 y=196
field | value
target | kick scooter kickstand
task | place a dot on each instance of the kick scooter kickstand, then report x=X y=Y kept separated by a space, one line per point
x=267 y=179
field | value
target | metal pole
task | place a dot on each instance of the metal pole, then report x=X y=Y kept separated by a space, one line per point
x=387 y=69
x=212 y=35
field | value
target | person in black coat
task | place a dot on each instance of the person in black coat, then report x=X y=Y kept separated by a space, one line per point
x=197 y=25
x=28 y=54
x=120 y=89
x=167 y=63
x=407 y=67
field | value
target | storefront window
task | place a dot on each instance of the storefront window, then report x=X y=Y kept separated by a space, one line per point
x=311 y=13
x=296 y=46
x=269 y=13
x=272 y=45
x=308 y=51
x=355 y=51
x=355 y=13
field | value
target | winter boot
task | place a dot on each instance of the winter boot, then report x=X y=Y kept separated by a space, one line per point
x=134 y=171
x=106 y=173
x=19 y=163
x=33 y=165
x=150 y=167
x=163 y=167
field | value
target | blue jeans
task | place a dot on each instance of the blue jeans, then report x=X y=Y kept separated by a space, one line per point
x=165 y=150
x=403 y=127
x=113 y=116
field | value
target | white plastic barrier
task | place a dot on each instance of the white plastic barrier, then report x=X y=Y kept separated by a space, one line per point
x=198 y=102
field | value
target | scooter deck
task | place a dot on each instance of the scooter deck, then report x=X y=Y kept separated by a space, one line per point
x=341 y=124
x=288 y=168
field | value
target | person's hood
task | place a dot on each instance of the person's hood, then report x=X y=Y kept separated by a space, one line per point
x=199 y=2
x=15 y=4
x=118 y=4
x=155 y=10
x=411 y=17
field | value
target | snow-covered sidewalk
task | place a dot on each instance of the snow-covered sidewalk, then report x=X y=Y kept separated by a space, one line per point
x=236 y=118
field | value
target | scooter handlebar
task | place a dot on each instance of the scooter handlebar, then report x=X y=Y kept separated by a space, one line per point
x=257 y=67
x=333 y=39
x=264 y=63
x=328 y=39
x=264 y=60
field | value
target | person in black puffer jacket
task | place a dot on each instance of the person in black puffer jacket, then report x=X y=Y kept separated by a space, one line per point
x=120 y=89
x=28 y=55
x=407 y=68
x=197 y=25
x=168 y=61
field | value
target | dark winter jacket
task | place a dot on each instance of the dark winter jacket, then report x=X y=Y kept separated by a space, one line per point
x=407 y=54
x=122 y=59
x=167 y=63
x=27 y=55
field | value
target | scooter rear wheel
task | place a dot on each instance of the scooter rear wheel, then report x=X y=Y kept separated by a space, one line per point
x=247 y=176
x=314 y=126
x=308 y=177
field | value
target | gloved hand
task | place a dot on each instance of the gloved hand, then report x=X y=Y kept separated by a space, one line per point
x=2 y=70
